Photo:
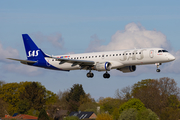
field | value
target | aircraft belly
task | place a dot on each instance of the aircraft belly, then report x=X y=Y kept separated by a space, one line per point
x=66 y=66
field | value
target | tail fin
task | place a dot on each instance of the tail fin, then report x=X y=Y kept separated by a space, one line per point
x=32 y=51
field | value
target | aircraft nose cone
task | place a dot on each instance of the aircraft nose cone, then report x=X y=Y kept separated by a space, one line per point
x=171 y=58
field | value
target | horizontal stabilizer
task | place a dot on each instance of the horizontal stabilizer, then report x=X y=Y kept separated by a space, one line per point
x=23 y=61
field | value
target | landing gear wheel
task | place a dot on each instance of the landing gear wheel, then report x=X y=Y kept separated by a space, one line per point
x=90 y=75
x=158 y=70
x=106 y=75
x=158 y=64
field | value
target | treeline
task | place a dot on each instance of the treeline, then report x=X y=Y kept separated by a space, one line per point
x=149 y=99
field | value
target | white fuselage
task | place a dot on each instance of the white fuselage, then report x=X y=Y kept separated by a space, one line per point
x=118 y=59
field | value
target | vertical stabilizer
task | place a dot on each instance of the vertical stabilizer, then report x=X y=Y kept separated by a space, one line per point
x=32 y=51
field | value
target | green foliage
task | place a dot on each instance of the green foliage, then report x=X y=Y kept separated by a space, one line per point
x=170 y=113
x=109 y=104
x=88 y=107
x=129 y=114
x=43 y=115
x=146 y=114
x=23 y=106
x=50 y=97
x=23 y=96
x=104 y=116
x=35 y=95
x=132 y=103
x=159 y=95
x=10 y=93
x=3 y=107
x=71 y=118
x=73 y=97
x=33 y=112
x=115 y=114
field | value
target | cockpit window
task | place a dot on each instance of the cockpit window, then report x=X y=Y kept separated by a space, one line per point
x=159 y=51
x=162 y=51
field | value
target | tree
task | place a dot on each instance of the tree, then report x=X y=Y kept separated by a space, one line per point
x=132 y=103
x=3 y=108
x=23 y=106
x=74 y=96
x=16 y=98
x=10 y=94
x=124 y=94
x=104 y=116
x=155 y=94
x=129 y=114
x=43 y=115
x=115 y=114
x=35 y=95
x=170 y=113
x=146 y=114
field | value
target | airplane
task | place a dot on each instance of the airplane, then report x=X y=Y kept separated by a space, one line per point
x=123 y=60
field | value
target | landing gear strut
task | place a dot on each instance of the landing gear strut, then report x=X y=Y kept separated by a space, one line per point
x=90 y=74
x=106 y=75
x=158 y=64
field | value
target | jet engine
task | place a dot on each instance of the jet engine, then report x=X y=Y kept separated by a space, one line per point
x=128 y=69
x=103 y=66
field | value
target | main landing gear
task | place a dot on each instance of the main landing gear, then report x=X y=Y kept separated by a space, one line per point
x=90 y=74
x=106 y=75
x=158 y=64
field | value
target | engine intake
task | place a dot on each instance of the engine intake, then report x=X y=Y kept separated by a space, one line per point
x=128 y=69
x=103 y=66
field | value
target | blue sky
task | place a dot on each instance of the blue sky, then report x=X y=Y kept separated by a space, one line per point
x=63 y=27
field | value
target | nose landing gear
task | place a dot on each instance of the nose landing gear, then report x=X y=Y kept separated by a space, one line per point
x=158 y=64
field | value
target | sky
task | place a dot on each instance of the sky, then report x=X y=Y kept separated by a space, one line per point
x=76 y=26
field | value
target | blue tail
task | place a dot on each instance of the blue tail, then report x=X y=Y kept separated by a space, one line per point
x=32 y=51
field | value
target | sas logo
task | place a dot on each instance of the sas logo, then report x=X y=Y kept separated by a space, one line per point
x=33 y=53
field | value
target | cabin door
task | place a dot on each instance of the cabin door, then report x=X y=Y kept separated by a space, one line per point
x=151 y=53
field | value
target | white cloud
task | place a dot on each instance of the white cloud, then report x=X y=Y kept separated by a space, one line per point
x=133 y=36
x=14 y=66
x=8 y=52
x=55 y=39
x=136 y=36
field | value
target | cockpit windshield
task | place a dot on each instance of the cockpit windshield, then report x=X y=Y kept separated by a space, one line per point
x=162 y=51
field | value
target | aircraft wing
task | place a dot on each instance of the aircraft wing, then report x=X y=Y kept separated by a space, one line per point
x=23 y=61
x=74 y=61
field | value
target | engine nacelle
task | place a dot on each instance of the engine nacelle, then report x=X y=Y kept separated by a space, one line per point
x=128 y=69
x=103 y=66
